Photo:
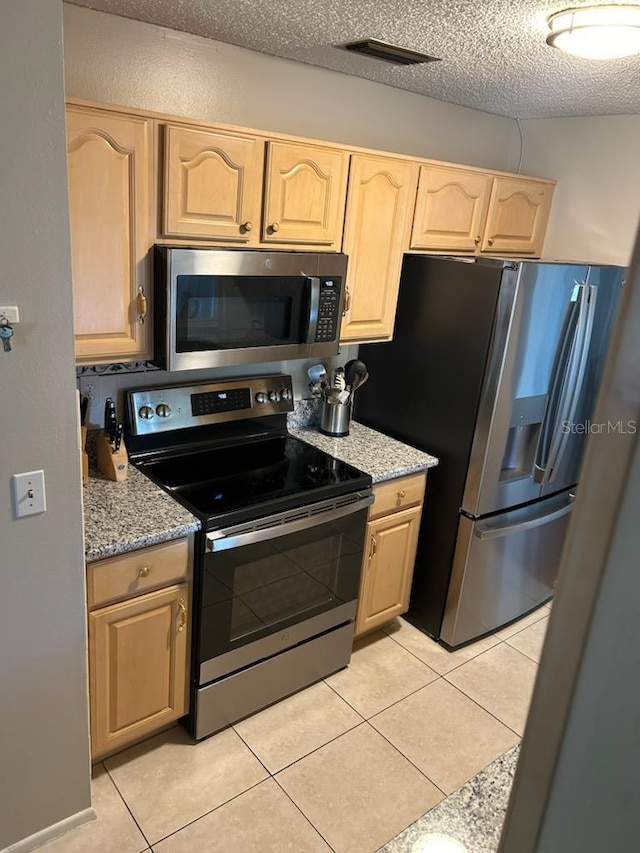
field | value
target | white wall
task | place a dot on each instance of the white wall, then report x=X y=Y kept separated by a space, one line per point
x=597 y=203
x=116 y=60
x=44 y=745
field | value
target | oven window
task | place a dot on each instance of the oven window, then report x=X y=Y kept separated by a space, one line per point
x=255 y=590
x=218 y=312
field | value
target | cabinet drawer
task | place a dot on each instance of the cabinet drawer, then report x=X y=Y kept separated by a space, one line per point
x=397 y=494
x=135 y=573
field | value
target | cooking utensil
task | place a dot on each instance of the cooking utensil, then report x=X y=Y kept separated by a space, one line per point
x=355 y=372
x=359 y=381
x=317 y=373
x=118 y=438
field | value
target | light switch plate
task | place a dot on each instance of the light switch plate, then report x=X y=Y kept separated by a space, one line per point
x=29 y=496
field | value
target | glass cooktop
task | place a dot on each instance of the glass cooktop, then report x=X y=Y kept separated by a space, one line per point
x=252 y=479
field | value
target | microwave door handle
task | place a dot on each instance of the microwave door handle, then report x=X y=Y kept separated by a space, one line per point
x=314 y=308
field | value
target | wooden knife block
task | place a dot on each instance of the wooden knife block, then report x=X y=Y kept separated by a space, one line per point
x=114 y=466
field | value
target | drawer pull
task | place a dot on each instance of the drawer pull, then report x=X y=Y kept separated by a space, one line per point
x=274 y=227
x=248 y=226
x=182 y=613
x=402 y=494
x=144 y=572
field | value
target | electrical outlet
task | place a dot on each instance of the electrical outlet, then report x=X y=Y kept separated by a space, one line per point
x=29 y=496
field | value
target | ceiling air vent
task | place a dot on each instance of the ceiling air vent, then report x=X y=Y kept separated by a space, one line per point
x=389 y=52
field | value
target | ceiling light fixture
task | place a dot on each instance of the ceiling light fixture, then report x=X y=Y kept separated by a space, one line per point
x=597 y=32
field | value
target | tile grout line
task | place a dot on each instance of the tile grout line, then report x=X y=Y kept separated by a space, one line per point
x=126 y=804
x=308 y=820
x=411 y=693
x=207 y=813
x=315 y=749
x=406 y=758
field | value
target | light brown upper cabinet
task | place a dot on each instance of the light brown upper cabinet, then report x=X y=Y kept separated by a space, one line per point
x=451 y=209
x=305 y=196
x=111 y=211
x=378 y=221
x=517 y=218
x=212 y=185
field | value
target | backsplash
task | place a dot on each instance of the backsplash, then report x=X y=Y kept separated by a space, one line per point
x=104 y=381
x=306 y=413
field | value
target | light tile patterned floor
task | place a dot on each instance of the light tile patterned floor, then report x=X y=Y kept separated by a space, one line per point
x=345 y=765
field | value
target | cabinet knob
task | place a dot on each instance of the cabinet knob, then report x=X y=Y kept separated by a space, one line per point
x=144 y=572
x=248 y=226
x=490 y=241
x=477 y=240
x=182 y=613
x=274 y=227
x=402 y=494
x=142 y=305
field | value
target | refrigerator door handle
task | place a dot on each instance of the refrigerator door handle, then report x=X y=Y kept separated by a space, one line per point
x=562 y=428
x=484 y=530
x=566 y=386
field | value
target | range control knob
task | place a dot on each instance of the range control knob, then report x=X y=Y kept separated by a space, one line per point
x=261 y=397
x=274 y=396
x=145 y=412
x=286 y=394
x=163 y=410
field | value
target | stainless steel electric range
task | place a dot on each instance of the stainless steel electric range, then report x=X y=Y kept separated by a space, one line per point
x=278 y=559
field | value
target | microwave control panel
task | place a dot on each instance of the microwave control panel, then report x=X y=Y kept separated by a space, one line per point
x=328 y=308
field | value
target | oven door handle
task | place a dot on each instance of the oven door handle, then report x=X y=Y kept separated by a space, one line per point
x=223 y=540
x=314 y=308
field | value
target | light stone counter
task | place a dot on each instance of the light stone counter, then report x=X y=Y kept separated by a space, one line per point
x=120 y=517
x=369 y=450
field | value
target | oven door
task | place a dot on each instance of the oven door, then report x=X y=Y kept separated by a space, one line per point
x=271 y=584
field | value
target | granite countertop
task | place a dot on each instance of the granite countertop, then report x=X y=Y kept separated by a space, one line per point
x=469 y=820
x=120 y=517
x=370 y=451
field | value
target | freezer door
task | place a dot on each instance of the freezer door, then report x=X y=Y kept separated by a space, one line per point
x=544 y=349
x=504 y=567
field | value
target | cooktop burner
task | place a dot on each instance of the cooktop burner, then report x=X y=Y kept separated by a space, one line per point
x=222 y=450
x=281 y=471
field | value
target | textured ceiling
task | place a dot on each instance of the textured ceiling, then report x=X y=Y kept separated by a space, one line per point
x=493 y=52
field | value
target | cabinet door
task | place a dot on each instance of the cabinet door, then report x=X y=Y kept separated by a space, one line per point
x=305 y=195
x=388 y=568
x=379 y=209
x=450 y=209
x=212 y=185
x=110 y=204
x=137 y=666
x=517 y=218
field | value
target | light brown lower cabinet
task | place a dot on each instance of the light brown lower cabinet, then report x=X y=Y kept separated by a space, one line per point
x=138 y=666
x=390 y=553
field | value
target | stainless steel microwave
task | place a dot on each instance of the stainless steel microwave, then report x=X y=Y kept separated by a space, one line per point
x=219 y=307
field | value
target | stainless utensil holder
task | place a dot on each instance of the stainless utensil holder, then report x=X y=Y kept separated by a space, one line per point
x=335 y=418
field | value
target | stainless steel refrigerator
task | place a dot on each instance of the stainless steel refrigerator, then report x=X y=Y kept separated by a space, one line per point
x=494 y=368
